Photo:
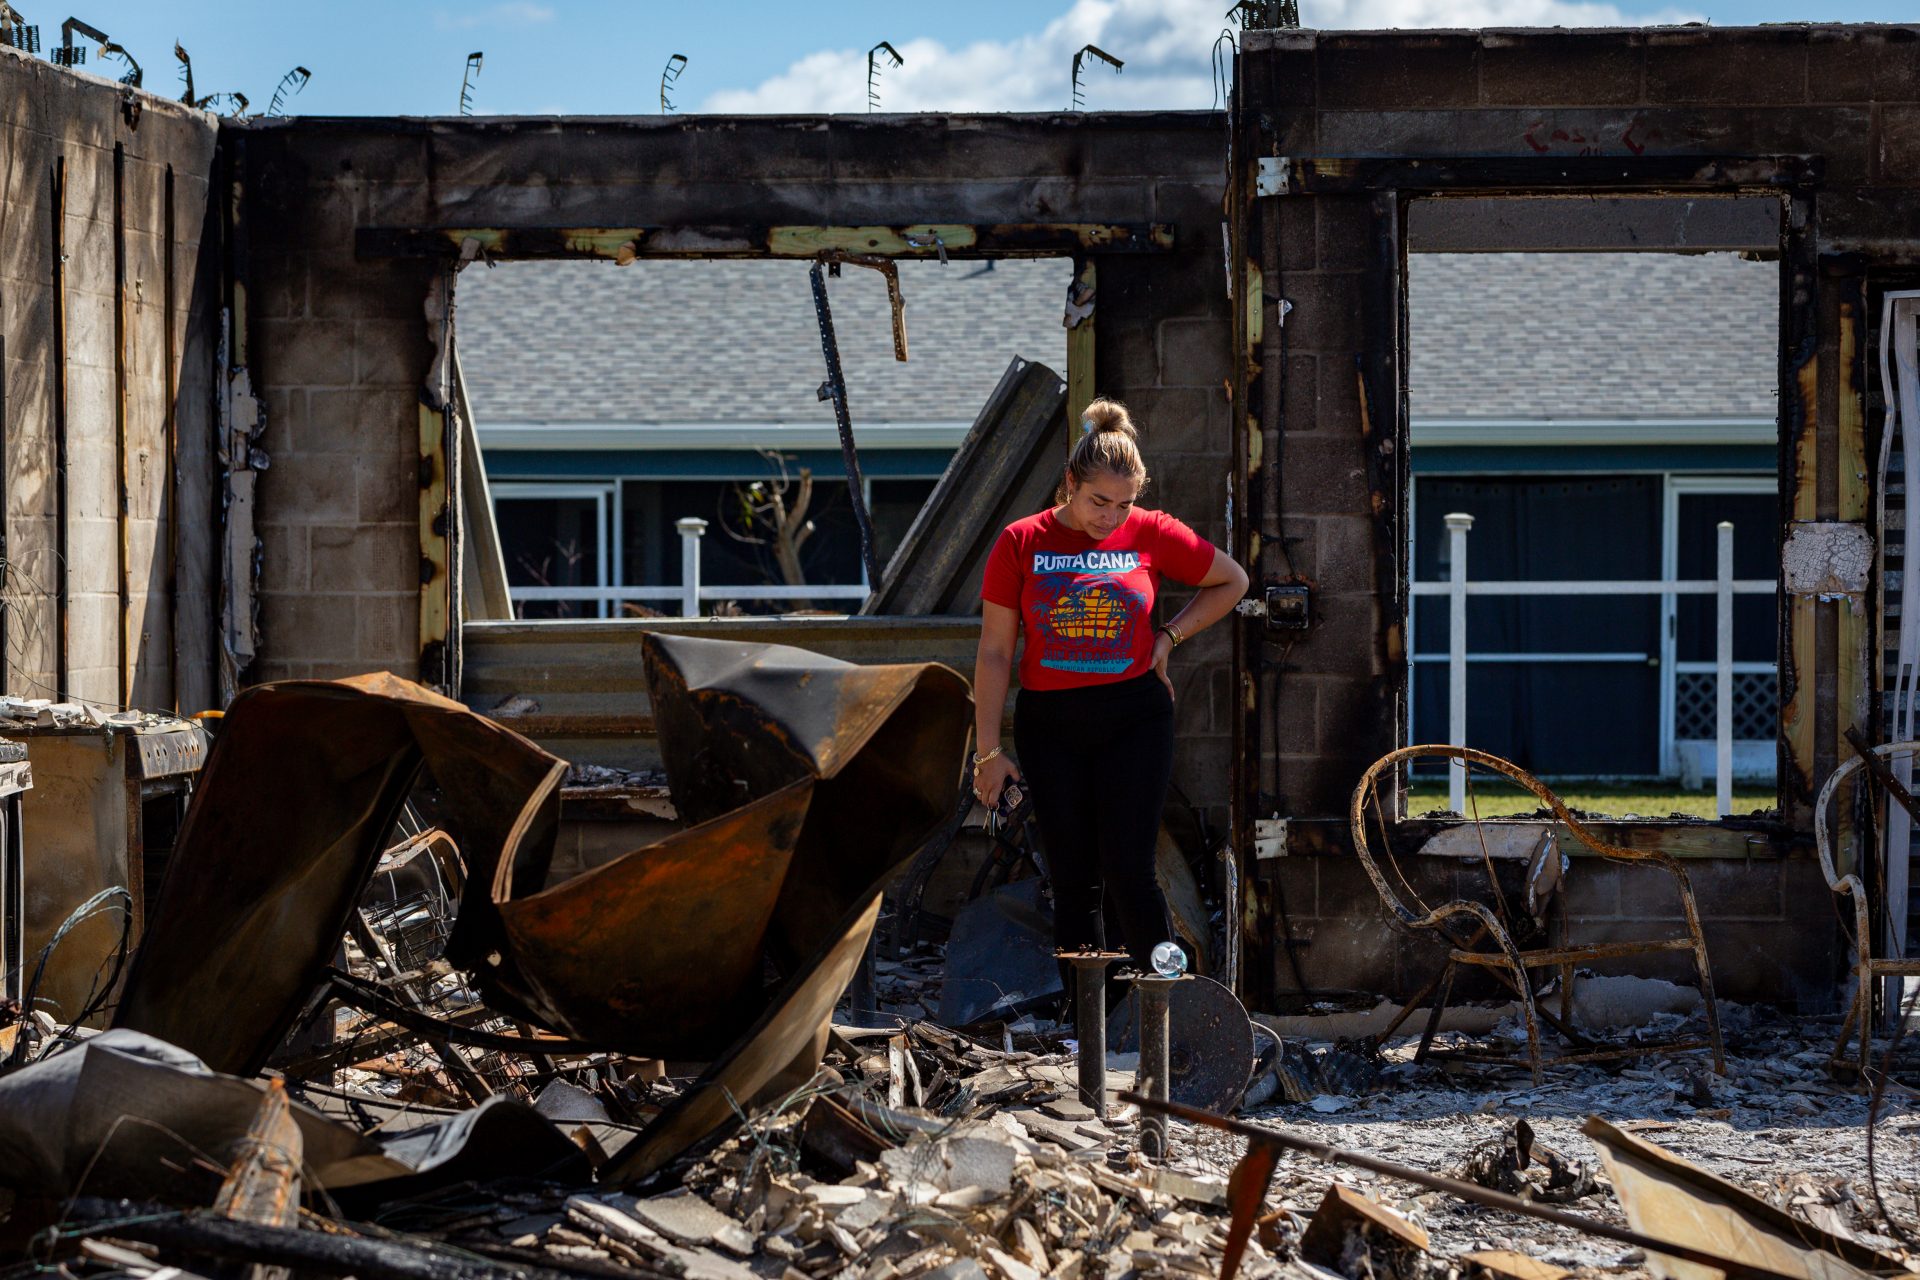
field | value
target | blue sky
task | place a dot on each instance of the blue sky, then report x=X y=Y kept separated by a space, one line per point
x=598 y=57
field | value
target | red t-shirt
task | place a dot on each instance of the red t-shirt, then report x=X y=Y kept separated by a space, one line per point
x=1086 y=607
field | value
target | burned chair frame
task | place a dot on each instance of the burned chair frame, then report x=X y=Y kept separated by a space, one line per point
x=1867 y=967
x=1506 y=959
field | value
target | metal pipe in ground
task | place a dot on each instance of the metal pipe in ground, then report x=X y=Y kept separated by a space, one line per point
x=1090 y=1023
x=1155 y=1072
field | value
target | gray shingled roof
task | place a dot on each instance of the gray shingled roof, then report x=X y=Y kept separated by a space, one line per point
x=732 y=341
x=1592 y=335
x=1510 y=336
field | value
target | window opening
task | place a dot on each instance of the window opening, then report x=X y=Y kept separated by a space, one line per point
x=1581 y=425
x=614 y=405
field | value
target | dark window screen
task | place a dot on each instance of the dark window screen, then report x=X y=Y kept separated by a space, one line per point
x=1554 y=718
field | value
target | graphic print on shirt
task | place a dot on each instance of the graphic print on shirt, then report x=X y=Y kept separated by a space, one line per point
x=1085 y=613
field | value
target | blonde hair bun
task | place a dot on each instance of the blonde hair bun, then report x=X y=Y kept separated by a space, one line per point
x=1104 y=416
x=1108 y=443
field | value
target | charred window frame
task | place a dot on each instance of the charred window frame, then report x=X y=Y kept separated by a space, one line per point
x=1390 y=185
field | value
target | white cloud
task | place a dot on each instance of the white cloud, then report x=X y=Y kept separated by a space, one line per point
x=512 y=14
x=1167 y=46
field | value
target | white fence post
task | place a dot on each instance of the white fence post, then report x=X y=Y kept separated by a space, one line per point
x=692 y=529
x=1723 y=674
x=1457 y=525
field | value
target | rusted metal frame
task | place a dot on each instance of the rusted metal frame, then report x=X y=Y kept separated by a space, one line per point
x=389 y=1038
x=890 y=272
x=1859 y=1018
x=464 y=1077
x=1509 y=956
x=1859 y=1015
x=835 y=389
x=1863 y=747
x=1471 y=1192
x=61 y=585
x=123 y=582
x=1872 y=870
x=1549 y=959
x=1515 y=175
x=1800 y=499
x=916 y=240
x=170 y=439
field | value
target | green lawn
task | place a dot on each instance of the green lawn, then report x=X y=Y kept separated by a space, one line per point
x=1498 y=798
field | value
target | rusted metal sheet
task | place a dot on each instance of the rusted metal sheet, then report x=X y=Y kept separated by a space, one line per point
x=293 y=809
x=608 y=951
x=624 y=244
x=810 y=782
x=1673 y=1199
x=1006 y=467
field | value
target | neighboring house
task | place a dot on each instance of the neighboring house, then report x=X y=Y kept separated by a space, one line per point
x=1598 y=415
x=613 y=401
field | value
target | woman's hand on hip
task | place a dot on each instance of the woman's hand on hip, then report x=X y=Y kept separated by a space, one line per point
x=1162 y=650
x=991 y=777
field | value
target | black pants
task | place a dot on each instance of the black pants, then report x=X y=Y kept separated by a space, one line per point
x=1098 y=760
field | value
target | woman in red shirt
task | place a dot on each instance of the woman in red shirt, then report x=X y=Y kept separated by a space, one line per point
x=1093 y=723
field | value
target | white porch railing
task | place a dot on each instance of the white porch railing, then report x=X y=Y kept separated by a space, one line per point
x=691 y=590
x=1723 y=587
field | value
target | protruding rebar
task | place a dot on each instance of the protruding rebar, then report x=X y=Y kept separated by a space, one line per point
x=1090 y=1023
x=1155 y=1072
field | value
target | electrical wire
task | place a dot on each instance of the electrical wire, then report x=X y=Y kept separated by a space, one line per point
x=92 y=907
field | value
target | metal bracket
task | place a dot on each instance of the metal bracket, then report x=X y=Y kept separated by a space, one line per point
x=1274 y=176
x=1269 y=838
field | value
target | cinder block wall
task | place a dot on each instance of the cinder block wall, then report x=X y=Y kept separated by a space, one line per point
x=52 y=119
x=1849 y=96
x=341 y=349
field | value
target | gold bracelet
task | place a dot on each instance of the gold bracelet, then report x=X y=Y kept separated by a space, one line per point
x=1173 y=633
x=980 y=760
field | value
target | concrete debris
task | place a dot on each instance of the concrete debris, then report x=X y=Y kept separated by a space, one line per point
x=22 y=713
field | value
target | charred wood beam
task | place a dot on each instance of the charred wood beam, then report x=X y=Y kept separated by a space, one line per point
x=624 y=244
x=1347 y=175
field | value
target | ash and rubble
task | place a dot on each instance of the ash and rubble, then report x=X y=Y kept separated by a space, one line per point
x=358 y=1100
x=920 y=1151
x=988 y=1166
